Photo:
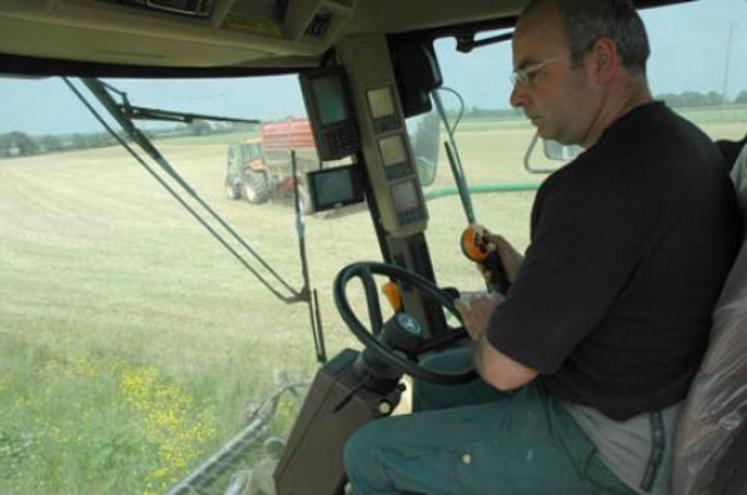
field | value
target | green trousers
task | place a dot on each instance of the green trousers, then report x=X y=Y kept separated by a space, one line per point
x=473 y=439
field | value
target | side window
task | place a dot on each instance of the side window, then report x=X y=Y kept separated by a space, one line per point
x=492 y=139
x=701 y=75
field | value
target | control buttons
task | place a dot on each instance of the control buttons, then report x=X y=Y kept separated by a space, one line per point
x=388 y=123
x=397 y=171
x=343 y=140
x=410 y=216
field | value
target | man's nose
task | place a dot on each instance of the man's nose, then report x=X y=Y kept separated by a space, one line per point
x=518 y=96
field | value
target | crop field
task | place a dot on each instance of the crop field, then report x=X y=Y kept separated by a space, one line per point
x=132 y=343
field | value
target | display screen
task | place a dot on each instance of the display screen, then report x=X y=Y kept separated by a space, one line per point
x=334 y=187
x=330 y=99
x=405 y=196
x=380 y=102
x=393 y=149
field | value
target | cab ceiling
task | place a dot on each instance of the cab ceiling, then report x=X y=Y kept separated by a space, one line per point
x=117 y=32
x=227 y=33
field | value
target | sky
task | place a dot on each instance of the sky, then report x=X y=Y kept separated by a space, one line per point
x=689 y=43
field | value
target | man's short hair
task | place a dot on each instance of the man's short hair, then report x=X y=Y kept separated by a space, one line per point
x=586 y=21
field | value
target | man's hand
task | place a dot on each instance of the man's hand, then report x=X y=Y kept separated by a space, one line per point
x=476 y=310
x=494 y=367
x=510 y=257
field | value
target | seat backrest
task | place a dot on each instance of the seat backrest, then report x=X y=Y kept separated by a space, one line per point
x=716 y=406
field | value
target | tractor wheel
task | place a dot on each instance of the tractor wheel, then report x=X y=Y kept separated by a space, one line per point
x=233 y=190
x=255 y=187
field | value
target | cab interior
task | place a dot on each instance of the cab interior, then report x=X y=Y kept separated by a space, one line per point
x=372 y=48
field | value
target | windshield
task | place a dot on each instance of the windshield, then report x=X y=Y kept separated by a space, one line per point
x=699 y=74
x=133 y=344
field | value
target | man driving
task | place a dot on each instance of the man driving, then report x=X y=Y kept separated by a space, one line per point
x=585 y=362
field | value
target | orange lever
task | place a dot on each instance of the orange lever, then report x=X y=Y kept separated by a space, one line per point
x=391 y=291
x=471 y=249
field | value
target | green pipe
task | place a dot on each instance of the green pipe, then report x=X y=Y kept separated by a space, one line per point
x=484 y=188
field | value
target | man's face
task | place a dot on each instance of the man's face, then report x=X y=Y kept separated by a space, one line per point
x=559 y=100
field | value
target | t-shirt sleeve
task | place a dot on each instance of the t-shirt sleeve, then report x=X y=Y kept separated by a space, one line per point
x=587 y=241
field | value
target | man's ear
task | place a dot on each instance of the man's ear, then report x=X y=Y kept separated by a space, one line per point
x=604 y=60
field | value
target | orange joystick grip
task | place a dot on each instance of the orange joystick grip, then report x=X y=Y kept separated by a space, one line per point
x=477 y=251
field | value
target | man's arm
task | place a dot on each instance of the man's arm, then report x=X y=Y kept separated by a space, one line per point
x=499 y=370
x=494 y=367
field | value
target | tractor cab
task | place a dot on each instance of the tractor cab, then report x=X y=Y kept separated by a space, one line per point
x=240 y=157
x=241 y=361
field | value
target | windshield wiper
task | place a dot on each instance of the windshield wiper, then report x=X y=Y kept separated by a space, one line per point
x=132 y=112
x=466 y=42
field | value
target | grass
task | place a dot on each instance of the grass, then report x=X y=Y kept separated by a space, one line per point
x=131 y=343
x=87 y=423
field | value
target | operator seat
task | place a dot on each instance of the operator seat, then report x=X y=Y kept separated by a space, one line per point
x=710 y=454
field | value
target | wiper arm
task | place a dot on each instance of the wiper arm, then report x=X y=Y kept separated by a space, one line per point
x=466 y=42
x=144 y=113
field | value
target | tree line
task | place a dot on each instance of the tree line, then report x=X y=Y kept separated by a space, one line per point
x=21 y=144
x=693 y=99
x=686 y=99
x=18 y=143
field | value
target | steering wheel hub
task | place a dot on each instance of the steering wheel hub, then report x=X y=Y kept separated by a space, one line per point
x=399 y=342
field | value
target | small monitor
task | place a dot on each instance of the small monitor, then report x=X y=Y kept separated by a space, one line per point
x=330 y=111
x=405 y=197
x=334 y=187
x=383 y=109
x=329 y=95
x=393 y=150
x=380 y=102
x=408 y=207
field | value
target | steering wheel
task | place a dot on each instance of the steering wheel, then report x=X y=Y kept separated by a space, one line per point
x=364 y=271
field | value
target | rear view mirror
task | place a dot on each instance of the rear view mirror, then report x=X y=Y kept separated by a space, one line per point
x=555 y=156
x=424 y=138
x=560 y=152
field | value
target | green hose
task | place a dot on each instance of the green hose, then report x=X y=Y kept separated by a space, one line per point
x=484 y=188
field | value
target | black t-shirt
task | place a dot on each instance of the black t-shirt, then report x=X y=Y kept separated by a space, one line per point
x=630 y=245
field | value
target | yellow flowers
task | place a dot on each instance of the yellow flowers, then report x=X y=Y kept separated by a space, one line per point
x=83 y=366
x=165 y=409
x=98 y=421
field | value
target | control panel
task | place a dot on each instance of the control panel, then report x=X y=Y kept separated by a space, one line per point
x=384 y=141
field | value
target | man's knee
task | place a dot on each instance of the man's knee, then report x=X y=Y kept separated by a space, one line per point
x=357 y=452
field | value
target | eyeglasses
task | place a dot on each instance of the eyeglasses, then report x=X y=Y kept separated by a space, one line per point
x=525 y=77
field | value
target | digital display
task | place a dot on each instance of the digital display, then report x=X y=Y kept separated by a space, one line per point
x=393 y=149
x=405 y=196
x=380 y=102
x=334 y=187
x=331 y=114
x=330 y=99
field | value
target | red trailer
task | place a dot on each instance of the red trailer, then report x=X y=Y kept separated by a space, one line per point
x=261 y=168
